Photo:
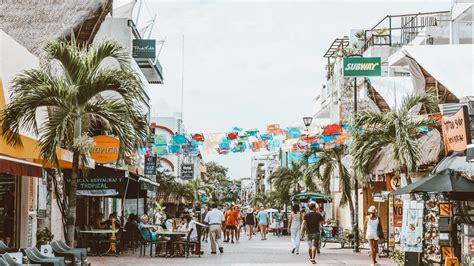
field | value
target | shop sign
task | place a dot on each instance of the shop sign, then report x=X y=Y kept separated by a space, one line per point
x=397 y=214
x=456 y=131
x=105 y=149
x=187 y=171
x=144 y=49
x=393 y=182
x=379 y=197
x=94 y=183
x=150 y=165
x=361 y=66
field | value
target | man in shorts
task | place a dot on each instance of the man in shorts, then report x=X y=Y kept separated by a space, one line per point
x=312 y=222
x=263 y=221
x=231 y=223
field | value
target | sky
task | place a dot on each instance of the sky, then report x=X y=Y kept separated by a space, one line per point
x=252 y=63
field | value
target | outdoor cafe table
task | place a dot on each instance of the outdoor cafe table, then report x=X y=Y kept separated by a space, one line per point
x=172 y=235
x=99 y=232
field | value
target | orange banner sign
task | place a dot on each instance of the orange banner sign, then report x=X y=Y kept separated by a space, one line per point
x=456 y=132
x=105 y=149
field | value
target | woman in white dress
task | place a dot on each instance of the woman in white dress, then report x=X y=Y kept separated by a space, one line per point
x=294 y=227
x=371 y=228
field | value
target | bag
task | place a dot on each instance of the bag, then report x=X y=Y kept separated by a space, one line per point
x=380 y=230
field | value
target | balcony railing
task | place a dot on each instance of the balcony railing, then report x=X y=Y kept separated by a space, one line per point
x=400 y=29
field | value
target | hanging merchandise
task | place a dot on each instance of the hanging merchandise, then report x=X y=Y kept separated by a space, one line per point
x=179 y=139
x=232 y=135
x=199 y=137
x=293 y=132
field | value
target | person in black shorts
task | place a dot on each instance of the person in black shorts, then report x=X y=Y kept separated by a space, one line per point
x=312 y=222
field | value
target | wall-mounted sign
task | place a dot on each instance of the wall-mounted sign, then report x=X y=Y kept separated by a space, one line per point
x=105 y=149
x=361 y=66
x=456 y=131
x=144 y=49
x=397 y=214
x=187 y=171
x=150 y=165
x=98 y=183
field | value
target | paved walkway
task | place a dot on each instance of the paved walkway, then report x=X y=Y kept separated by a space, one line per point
x=274 y=251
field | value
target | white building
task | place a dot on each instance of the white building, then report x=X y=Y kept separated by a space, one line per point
x=262 y=168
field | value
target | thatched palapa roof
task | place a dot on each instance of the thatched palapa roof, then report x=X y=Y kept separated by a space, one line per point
x=34 y=22
x=430 y=148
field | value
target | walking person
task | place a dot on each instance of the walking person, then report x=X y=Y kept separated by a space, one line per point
x=311 y=224
x=250 y=222
x=215 y=220
x=279 y=223
x=231 y=223
x=263 y=221
x=373 y=231
x=294 y=227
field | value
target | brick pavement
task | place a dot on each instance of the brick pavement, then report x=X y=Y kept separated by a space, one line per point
x=274 y=251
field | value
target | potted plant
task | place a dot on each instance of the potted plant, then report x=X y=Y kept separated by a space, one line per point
x=43 y=237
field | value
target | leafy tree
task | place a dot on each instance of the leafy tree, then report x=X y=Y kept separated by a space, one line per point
x=328 y=165
x=287 y=180
x=397 y=128
x=82 y=96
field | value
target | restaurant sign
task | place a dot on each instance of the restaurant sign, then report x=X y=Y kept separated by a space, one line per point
x=98 y=183
x=187 y=171
x=361 y=66
x=456 y=131
x=144 y=49
x=150 y=165
x=105 y=149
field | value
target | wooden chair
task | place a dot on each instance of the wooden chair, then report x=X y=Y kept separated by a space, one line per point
x=186 y=243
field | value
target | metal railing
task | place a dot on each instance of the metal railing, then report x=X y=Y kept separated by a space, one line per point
x=406 y=27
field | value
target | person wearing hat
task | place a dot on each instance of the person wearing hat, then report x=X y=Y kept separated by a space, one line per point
x=373 y=231
x=250 y=222
x=311 y=224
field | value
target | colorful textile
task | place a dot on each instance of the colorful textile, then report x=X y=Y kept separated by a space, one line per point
x=332 y=130
x=175 y=149
x=198 y=137
x=266 y=136
x=160 y=140
x=160 y=150
x=232 y=135
x=274 y=129
x=293 y=132
x=179 y=139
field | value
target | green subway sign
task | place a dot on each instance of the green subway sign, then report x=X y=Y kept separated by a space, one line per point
x=361 y=66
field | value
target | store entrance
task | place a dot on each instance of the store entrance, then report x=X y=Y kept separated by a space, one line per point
x=8 y=192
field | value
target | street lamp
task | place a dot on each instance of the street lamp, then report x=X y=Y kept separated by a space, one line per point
x=307 y=120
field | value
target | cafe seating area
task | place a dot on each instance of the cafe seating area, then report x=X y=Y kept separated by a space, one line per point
x=58 y=253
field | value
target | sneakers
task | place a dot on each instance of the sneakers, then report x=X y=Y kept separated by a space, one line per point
x=313 y=261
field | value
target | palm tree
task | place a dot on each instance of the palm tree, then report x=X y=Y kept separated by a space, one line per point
x=397 y=128
x=82 y=96
x=288 y=178
x=199 y=186
x=328 y=165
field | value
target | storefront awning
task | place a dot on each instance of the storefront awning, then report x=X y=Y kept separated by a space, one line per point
x=148 y=181
x=19 y=167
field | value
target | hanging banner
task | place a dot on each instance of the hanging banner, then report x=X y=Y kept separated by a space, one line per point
x=105 y=149
x=456 y=131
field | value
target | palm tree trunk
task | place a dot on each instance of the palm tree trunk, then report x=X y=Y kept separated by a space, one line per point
x=72 y=200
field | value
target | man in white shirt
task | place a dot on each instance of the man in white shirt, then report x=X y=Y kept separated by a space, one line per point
x=215 y=219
